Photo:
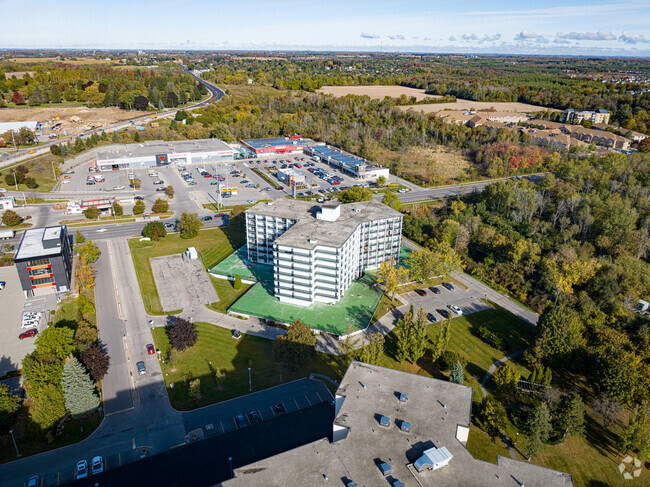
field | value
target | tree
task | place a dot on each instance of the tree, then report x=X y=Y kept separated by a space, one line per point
x=183 y=334
x=9 y=405
x=402 y=341
x=47 y=406
x=634 y=434
x=138 y=208
x=538 y=428
x=506 y=378
x=560 y=332
x=160 y=206
x=418 y=336
x=118 y=210
x=392 y=200
x=79 y=237
x=607 y=407
x=195 y=389
x=85 y=272
x=489 y=418
x=371 y=353
x=55 y=150
x=237 y=284
x=355 y=194
x=381 y=181
x=18 y=98
x=189 y=225
x=439 y=261
x=89 y=250
x=457 y=376
x=78 y=389
x=169 y=191
x=392 y=276
x=96 y=361
x=441 y=340
x=140 y=102
x=55 y=343
x=569 y=418
x=296 y=347
x=11 y=218
x=85 y=335
x=180 y=115
x=115 y=138
x=154 y=230
x=92 y=213
x=135 y=183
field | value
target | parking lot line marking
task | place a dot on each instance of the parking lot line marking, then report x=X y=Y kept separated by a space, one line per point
x=308 y=401
x=118 y=412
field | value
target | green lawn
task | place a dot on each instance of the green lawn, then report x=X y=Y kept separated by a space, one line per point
x=214 y=243
x=217 y=350
x=485 y=448
x=227 y=294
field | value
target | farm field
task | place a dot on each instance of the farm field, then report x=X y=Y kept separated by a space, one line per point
x=75 y=62
x=104 y=115
x=475 y=105
x=375 y=91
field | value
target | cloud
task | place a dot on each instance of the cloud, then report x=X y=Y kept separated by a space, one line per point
x=452 y=38
x=530 y=37
x=469 y=37
x=426 y=39
x=369 y=36
x=630 y=38
x=397 y=37
x=601 y=35
x=558 y=40
x=492 y=38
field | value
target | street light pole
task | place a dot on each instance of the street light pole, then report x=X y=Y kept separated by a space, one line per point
x=250 y=384
x=230 y=461
x=11 y=432
x=15 y=181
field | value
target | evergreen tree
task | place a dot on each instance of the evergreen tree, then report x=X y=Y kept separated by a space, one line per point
x=78 y=389
x=548 y=375
x=538 y=428
x=418 y=338
x=457 y=376
x=115 y=138
x=533 y=376
x=402 y=343
x=569 y=418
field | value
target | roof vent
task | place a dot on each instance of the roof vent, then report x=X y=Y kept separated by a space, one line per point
x=385 y=468
x=384 y=421
x=313 y=241
x=397 y=483
x=402 y=397
x=406 y=427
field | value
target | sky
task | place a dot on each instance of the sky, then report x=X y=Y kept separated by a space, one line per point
x=560 y=27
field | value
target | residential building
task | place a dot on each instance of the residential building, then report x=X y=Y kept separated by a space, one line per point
x=399 y=429
x=355 y=166
x=44 y=260
x=575 y=117
x=598 y=137
x=318 y=250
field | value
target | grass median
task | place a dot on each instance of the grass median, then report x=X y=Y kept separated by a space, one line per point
x=215 y=244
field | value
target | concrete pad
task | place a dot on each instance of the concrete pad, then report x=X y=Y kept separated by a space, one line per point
x=12 y=302
x=621 y=467
x=627 y=476
x=637 y=472
x=182 y=283
x=627 y=459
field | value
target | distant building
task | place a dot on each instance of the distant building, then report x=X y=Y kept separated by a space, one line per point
x=355 y=166
x=153 y=153
x=575 y=117
x=317 y=251
x=44 y=260
x=396 y=429
x=598 y=137
x=16 y=126
x=278 y=145
x=290 y=176
x=7 y=203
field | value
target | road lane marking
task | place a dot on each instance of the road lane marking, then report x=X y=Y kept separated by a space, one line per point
x=118 y=412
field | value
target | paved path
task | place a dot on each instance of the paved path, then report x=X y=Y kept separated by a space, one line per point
x=494 y=366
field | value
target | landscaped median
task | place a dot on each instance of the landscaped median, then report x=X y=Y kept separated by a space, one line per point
x=214 y=244
x=268 y=178
x=221 y=363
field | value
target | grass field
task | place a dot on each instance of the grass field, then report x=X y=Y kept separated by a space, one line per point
x=227 y=294
x=217 y=350
x=40 y=168
x=214 y=243
x=378 y=92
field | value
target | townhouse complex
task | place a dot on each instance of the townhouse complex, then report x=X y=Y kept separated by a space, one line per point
x=317 y=251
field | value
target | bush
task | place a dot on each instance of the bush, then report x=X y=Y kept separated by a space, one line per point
x=92 y=213
x=490 y=337
x=448 y=359
x=154 y=230
x=160 y=206
x=11 y=218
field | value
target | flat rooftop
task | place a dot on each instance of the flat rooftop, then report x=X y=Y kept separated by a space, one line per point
x=309 y=232
x=435 y=410
x=269 y=142
x=32 y=243
x=343 y=157
x=154 y=147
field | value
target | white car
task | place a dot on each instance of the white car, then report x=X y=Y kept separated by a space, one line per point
x=65 y=181
x=456 y=310
x=118 y=188
x=97 y=465
x=101 y=230
x=82 y=469
x=2 y=190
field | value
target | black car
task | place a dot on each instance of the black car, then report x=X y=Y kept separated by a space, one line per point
x=206 y=218
x=279 y=409
x=420 y=292
x=444 y=313
x=432 y=318
x=241 y=421
x=254 y=417
x=138 y=198
x=448 y=285
x=434 y=289
x=169 y=225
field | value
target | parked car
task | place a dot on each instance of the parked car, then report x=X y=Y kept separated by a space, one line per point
x=2 y=285
x=91 y=183
x=206 y=218
x=33 y=481
x=162 y=188
x=138 y=198
x=434 y=289
x=151 y=350
x=456 y=310
x=448 y=285
x=444 y=313
x=158 y=181
x=118 y=188
x=2 y=190
x=420 y=292
x=254 y=417
x=97 y=465
x=236 y=334
x=219 y=215
x=82 y=469
x=241 y=421
x=141 y=368
x=169 y=225
x=432 y=318
x=28 y=333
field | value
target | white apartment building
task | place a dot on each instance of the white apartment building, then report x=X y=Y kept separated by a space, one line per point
x=317 y=251
x=599 y=116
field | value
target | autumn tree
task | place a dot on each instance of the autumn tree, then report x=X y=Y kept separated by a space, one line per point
x=160 y=206
x=189 y=225
x=118 y=210
x=18 y=98
x=92 y=213
x=392 y=276
x=355 y=194
x=10 y=218
x=505 y=377
x=183 y=334
x=392 y=200
x=96 y=361
x=138 y=208
x=154 y=230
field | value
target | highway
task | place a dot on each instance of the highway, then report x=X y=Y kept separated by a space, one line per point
x=215 y=95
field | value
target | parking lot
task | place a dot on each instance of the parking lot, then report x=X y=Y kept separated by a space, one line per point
x=439 y=304
x=12 y=302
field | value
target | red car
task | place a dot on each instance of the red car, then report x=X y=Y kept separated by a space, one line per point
x=420 y=292
x=219 y=215
x=28 y=333
x=150 y=349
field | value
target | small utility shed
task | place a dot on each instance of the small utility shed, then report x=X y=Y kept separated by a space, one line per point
x=433 y=459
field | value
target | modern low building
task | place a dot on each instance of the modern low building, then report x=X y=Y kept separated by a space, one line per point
x=318 y=250
x=398 y=429
x=290 y=176
x=7 y=203
x=44 y=260
x=156 y=153
x=278 y=145
x=598 y=116
x=347 y=163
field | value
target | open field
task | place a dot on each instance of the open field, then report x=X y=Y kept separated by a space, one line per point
x=216 y=350
x=40 y=168
x=475 y=105
x=430 y=166
x=375 y=91
x=76 y=62
x=102 y=115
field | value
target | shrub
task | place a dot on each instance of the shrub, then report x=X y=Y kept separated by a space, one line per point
x=448 y=359
x=237 y=284
x=490 y=337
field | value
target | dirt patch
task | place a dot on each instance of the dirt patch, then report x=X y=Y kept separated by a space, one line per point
x=461 y=104
x=431 y=165
x=19 y=74
x=86 y=115
x=375 y=91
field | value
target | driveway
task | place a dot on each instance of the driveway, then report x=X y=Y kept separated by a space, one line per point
x=12 y=301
